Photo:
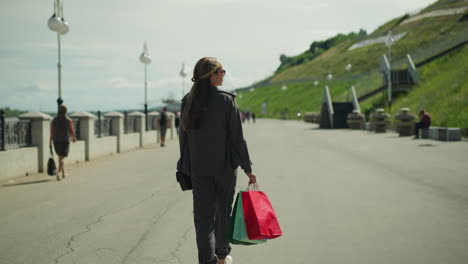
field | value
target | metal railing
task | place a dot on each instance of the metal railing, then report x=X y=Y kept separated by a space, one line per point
x=129 y=124
x=102 y=126
x=76 y=126
x=401 y=77
x=14 y=133
x=152 y=125
x=446 y=42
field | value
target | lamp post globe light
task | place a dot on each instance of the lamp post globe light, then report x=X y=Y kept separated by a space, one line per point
x=57 y=23
x=183 y=74
x=389 y=42
x=145 y=58
x=284 y=88
x=348 y=67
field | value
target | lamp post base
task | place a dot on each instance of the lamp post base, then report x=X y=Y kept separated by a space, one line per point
x=146 y=116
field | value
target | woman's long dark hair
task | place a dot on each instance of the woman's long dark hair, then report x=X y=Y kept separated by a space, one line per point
x=198 y=97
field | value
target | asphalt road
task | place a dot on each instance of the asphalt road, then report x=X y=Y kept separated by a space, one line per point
x=341 y=196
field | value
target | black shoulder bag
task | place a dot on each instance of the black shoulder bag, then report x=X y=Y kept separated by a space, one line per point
x=184 y=180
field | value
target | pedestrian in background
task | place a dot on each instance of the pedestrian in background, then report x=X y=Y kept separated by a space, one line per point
x=424 y=122
x=213 y=146
x=253 y=117
x=163 y=126
x=61 y=129
x=177 y=121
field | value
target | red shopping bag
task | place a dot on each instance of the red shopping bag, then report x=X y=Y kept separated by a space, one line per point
x=260 y=218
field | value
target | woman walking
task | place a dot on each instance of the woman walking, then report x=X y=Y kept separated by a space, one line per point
x=60 y=130
x=212 y=146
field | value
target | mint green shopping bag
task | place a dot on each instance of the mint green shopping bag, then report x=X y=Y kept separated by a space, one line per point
x=239 y=232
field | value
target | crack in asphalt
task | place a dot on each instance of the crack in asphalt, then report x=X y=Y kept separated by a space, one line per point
x=155 y=220
x=180 y=243
x=71 y=250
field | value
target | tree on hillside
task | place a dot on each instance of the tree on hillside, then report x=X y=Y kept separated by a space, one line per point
x=317 y=48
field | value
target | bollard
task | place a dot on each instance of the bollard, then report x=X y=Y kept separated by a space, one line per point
x=310 y=117
x=405 y=123
x=355 y=120
x=379 y=120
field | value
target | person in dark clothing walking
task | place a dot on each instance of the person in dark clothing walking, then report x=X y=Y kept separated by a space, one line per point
x=60 y=130
x=424 y=122
x=213 y=146
x=253 y=117
x=163 y=126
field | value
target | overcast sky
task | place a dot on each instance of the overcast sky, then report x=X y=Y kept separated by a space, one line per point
x=100 y=54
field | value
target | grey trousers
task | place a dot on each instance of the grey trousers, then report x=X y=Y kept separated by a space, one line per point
x=212 y=206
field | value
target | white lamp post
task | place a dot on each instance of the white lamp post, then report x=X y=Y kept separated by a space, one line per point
x=145 y=58
x=57 y=23
x=389 y=42
x=183 y=75
x=348 y=68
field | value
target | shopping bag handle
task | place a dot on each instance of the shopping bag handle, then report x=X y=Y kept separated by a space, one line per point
x=51 y=152
x=253 y=187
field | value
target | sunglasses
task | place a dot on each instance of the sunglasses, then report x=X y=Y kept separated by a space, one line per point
x=223 y=71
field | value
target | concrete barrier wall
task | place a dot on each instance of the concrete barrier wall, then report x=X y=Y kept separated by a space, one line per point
x=130 y=141
x=150 y=137
x=76 y=154
x=18 y=162
x=104 y=146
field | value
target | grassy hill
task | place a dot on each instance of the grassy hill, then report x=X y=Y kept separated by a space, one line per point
x=442 y=90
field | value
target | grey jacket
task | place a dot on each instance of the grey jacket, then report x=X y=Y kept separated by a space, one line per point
x=218 y=147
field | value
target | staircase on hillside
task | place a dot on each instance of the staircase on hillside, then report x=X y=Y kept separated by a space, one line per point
x=396 y=81
x=399 y=80
x=335 y=114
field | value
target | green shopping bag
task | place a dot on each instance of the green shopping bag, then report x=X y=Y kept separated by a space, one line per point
x=239 y=232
